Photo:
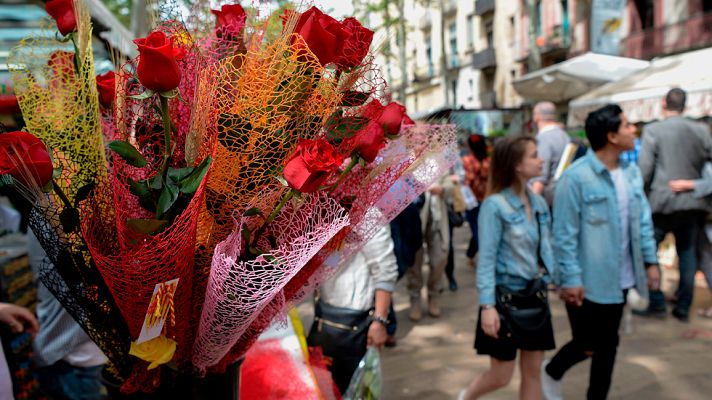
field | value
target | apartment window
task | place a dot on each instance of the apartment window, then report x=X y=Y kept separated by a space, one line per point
x=470 y=31
x=471 y=85
x=453 y=45
x=565 y=17
x=646 y=13
x=706 y=5
x=538 y=18
x=429 y=55
x=512 y=30
x=453 y=87
x=489 y=33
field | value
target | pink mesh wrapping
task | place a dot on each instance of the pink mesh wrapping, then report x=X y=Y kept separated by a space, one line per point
x=237 y=290
x=382 y=190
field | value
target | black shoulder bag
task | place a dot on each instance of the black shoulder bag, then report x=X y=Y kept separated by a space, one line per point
x=524 y=314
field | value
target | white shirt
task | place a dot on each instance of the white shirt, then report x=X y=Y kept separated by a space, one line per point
x=627 y=275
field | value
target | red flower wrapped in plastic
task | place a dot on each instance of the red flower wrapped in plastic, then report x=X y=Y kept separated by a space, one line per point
x=324 y=35
x=355 y=47
x=25 y=158
x=63 y=12
x=311 y=164
x=106 y=86
x=392 y=117
x=370 y=140
x=61 y=62
x=231 y=17
x=158 y=62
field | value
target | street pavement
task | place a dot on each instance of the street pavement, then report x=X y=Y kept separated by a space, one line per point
x=657 y=359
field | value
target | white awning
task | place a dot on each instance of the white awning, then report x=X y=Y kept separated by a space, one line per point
x=575 y=76
x=640 y=94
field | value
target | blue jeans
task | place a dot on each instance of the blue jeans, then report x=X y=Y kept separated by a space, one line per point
x=62 y=381
x=685 y=226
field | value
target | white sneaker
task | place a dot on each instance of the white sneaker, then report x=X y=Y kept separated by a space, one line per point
x=550 y=387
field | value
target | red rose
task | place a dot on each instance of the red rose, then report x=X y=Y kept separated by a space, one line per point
x=370 y=140
x=61 y=62
x=311 y=164
x=106 y=86
x=355 y=47
x=157 y=64
x=63 y=12
x=25 y=158
x=392 y=118
x=324 y=35
x=230 y=17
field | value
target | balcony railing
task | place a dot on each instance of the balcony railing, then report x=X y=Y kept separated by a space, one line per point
x=483 y=7
x=484 y=59
x=692 y=33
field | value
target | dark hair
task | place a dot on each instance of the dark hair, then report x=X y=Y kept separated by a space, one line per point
x=508 y=153
x=600 y=122
x=675 y=100
x=478 y=146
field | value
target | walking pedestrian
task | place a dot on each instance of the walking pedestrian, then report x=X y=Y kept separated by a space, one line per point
x=603 y=242
x=551 y=141
x=675 y=148
x=476 y=166
x=514 y=246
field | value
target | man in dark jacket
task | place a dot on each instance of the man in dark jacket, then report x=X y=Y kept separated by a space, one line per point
x=671 y=149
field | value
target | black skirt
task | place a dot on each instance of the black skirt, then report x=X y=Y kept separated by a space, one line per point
x=504 y=347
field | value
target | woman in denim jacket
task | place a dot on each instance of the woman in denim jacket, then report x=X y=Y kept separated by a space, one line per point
x=514 y=232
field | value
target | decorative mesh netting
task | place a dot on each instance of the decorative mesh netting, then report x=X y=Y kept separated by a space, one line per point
x=238 y=290
x=246 y=98
x=58 y=97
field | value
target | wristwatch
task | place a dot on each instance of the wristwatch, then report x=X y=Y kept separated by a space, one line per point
x=381 y=320
x=487 y=306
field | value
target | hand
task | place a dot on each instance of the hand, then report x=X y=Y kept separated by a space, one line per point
x=18 y=318
x=681 y=185
x=376 y=335
x=436 y=189
x=572 y=295
x=490 y=322
x=653 y=277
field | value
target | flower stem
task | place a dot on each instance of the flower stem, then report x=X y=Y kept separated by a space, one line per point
x=166 y=135
x=354 y=160
x=279 y=207
x=61 y=195
x=77 y=59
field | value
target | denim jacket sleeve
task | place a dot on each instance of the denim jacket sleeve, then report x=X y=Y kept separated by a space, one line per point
x=567 y=221
x=490 y=228
x=647 y=238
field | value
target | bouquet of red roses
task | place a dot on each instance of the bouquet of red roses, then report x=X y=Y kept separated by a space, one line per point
x=215 y=180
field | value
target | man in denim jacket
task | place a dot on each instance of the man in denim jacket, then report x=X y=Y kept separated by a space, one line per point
x=604 y=245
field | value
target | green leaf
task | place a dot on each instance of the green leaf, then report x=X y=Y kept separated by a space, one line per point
x=6 y=180
x=252 y=212
x=56 y=172
x=147 y=226
x=361 y=161
x=169 y=195
x=179 y=174
x=145 y=95
x=83 y=192
x=128 y=152
x=190 y=183
x=156 y=183
x=353 y=98
x=139 y=189
x=392 y=137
